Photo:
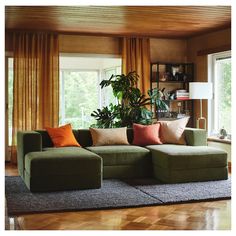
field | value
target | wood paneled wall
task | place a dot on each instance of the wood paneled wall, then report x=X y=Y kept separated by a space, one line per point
x=89 y=44
x=168 y=50
x=80 y=44
x=212 y=42
x=8 y=42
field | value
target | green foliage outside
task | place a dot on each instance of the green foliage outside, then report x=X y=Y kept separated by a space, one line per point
x=224 y=98
x=10 y=103
x=81 y=96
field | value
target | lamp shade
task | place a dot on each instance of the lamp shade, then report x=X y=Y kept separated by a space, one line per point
x=200 y=90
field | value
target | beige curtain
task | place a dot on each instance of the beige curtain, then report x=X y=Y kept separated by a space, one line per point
x=136 y=57
x=36 y=82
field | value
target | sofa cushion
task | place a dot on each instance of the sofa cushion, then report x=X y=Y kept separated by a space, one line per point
x=85 y=138
x=173 y=131
x=121 y=154
x=114 y=136
x=62 y=136
x=176 y=157
x=62 y=161
x=146 y=134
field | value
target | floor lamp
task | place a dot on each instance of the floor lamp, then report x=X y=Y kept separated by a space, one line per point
x=200 y=90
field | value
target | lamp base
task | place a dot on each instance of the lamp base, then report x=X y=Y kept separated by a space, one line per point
x=198 y=122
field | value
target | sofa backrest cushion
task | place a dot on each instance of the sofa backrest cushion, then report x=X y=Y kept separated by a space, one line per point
x=193 y=137
x=63 y=136
x=112 y=136
x=46 y=140
x=83 y=136
x=146 y=134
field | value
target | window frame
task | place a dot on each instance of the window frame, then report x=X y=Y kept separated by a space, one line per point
x=101 y=75
x=212 y=113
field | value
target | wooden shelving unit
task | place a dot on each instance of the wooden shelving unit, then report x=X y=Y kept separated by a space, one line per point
x=171 y=77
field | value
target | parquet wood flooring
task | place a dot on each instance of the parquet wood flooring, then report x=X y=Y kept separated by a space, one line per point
x=212 y=215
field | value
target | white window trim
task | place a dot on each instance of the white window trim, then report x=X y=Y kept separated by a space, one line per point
x=211 y=78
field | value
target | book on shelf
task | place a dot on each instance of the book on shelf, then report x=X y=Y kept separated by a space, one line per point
x=182 y=94
x=181 y=91
x=183 y=98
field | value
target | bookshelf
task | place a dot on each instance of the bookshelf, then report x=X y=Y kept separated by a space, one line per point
x=172 y=80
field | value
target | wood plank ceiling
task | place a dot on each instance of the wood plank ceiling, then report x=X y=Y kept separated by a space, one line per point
x=152 y=21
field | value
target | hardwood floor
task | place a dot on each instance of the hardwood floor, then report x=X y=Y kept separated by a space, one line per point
x=212 y=215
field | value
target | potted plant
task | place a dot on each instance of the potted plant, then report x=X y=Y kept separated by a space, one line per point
x=132 y=104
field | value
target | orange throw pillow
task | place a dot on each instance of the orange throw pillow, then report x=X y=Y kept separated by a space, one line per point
x=62 y=136
x=173 y=131
x=146 y=134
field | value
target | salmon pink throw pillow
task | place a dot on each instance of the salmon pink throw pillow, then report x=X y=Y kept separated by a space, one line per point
x=146 y=134
x=62 y=136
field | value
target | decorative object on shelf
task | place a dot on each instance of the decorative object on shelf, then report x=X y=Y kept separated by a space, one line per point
x=175 y=70
x=164 y=77
x=180 y=114
x=172 y=95
x=200 y=90
x=177 y=73
x=223 y=133
x=179 y=104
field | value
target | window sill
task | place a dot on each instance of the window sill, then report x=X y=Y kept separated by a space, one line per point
x=216 y=139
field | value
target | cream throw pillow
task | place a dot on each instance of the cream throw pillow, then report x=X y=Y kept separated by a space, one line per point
x=114 y=136
x=173 y=131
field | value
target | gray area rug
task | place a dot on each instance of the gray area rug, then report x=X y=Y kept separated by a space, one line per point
x=197 y=191
x=113 y=194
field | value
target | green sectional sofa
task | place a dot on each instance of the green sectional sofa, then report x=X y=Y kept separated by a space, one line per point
x=45 y=168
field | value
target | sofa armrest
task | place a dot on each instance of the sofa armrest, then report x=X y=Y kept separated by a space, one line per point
x=27 y=141
x=195 y=137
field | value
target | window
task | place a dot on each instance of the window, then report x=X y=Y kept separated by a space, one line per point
x=80 y=93
x=220 y=105
x=10 y=97
x=8 y=105
x=107 y=96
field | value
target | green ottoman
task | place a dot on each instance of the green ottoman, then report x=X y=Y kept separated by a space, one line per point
x=178 y=163
x=62 y=169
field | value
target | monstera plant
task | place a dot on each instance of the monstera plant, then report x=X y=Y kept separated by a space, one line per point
x=132 y=104
x=156 y=97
